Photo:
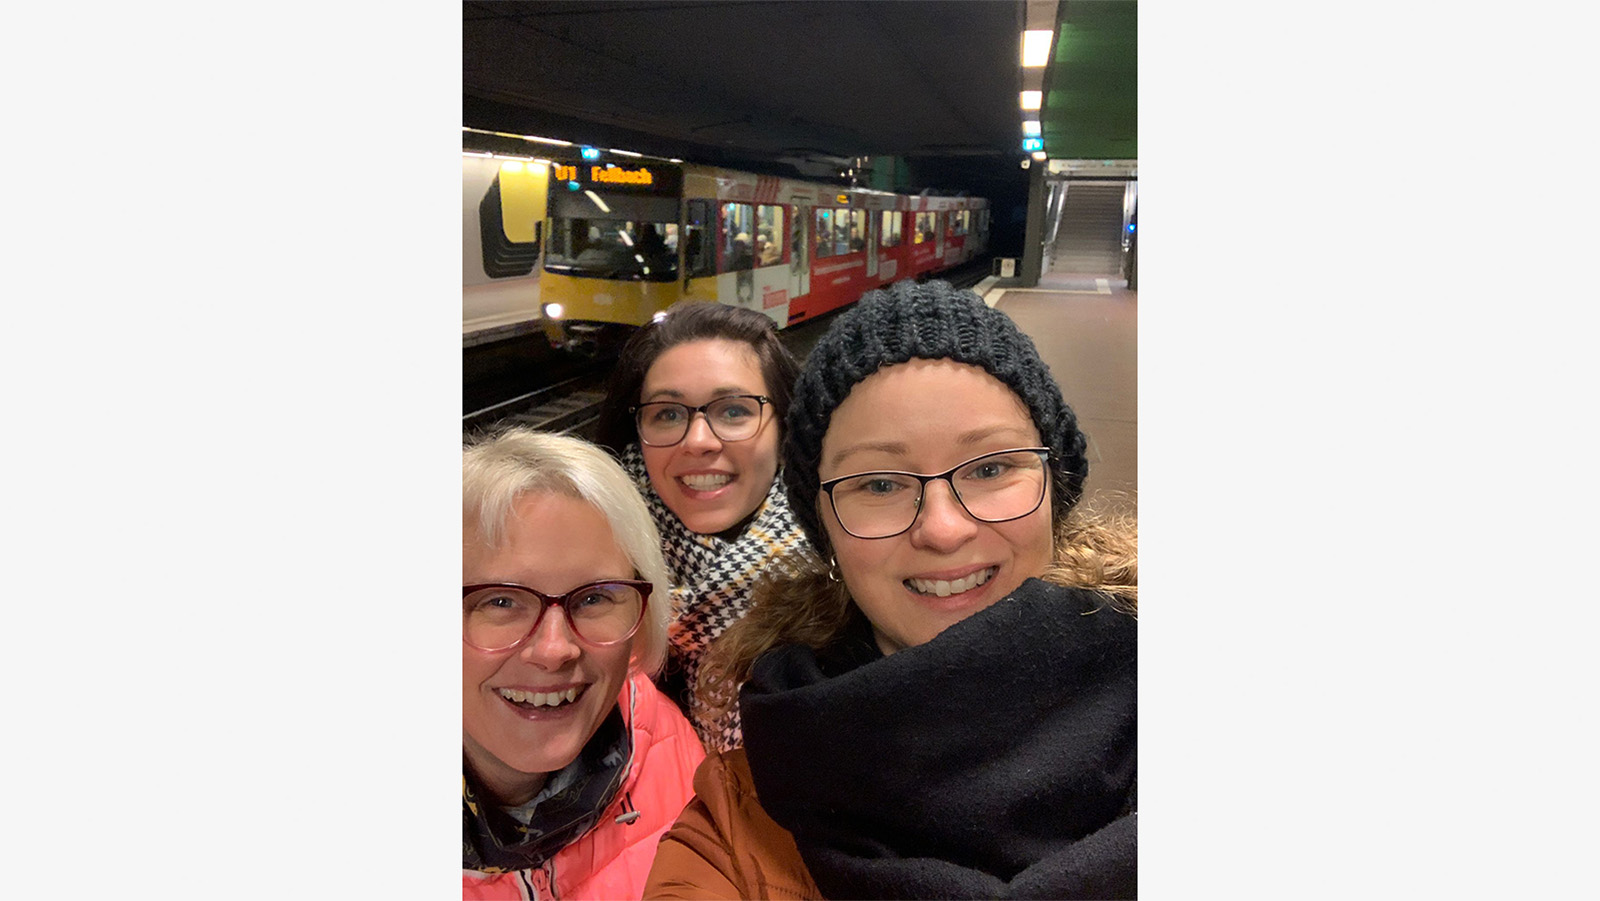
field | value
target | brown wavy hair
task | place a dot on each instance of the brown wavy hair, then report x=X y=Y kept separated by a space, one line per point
x=800 y=602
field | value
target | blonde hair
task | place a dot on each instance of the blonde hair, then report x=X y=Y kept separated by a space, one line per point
x=800 y=601
x=495 y=472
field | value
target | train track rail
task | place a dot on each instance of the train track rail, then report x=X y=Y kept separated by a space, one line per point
x=572 y=404
x=560 y=407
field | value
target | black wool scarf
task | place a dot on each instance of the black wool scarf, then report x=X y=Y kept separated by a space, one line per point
x=998 y=760
x=492 y=841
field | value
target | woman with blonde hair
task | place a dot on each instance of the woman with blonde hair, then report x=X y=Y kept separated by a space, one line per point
x=939 y=700
x=573 y=763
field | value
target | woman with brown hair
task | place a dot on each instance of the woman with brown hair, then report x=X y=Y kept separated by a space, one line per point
x=694 y=409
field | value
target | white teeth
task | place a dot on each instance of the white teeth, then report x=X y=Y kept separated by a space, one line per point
x=705 y=482
x=944 y=589
x=540 y=698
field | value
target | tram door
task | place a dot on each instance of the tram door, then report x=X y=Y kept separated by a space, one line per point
x=799 y=253
x=938 y=237
x=872 y=244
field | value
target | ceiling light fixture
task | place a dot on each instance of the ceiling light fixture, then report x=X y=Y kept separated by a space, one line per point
x=1032 y=99
x=1030 y=126
x=1036 y=48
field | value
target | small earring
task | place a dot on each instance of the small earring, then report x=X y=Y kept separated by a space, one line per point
x=833 y=567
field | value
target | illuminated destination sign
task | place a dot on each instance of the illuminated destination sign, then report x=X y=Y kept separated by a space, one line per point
x=621 y=176
x=651 y=179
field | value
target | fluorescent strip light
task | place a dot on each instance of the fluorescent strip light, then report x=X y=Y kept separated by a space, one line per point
x=1032 y=99
x=1035 y=48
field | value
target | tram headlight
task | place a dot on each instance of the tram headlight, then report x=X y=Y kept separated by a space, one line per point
x=553 y=311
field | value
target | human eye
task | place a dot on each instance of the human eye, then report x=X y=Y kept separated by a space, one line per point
x=985 y=470
x=665 y=414
x=734 y=409
x=591 y=597
x=998 y=467
x=881 y=486
x=874 y=486
x=597 y=600
x=497 y=603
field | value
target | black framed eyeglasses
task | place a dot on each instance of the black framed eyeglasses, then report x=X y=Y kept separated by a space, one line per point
x=500 y=616
x=735 y=417
x=996 y=487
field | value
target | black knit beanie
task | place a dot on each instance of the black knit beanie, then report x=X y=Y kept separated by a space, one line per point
x=929 y=321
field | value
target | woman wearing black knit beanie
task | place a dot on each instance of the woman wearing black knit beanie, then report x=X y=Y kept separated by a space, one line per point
x=939 y=700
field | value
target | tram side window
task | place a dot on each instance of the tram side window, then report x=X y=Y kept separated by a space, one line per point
x=737 y=250
x=924 y=229
x=769 y=235
x=699 y=257
x=958 y=223
x=851 y=227
x=889 y=235
x=824 y=233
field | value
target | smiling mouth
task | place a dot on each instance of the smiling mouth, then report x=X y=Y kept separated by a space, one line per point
x=706 y=481
x=539 y=698
x=943 y=589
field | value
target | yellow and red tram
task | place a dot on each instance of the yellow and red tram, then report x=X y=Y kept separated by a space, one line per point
x=622 y=239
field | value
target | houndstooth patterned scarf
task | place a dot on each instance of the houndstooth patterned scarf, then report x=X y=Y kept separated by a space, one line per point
x=711 y=581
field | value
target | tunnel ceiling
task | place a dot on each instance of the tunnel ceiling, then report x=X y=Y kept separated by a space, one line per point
x=808 y=83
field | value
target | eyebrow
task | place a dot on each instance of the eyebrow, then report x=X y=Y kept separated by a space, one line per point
x=964 y=439
x=674 y=393
x=887 y=447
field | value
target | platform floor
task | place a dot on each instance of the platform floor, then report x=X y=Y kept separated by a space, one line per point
x=1086 y=329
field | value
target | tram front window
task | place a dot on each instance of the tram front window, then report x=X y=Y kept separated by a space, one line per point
x=628 y=238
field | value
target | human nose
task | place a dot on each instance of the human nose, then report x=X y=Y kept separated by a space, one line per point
x=942 y=523
x=553 y=644
x=699 y=436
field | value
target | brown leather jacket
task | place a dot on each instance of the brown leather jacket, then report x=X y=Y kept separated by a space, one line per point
x=725 y=846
